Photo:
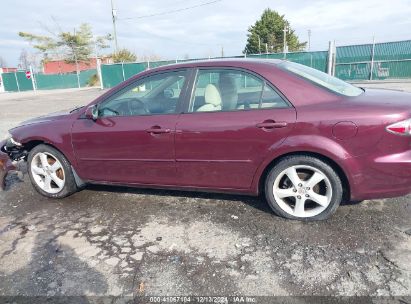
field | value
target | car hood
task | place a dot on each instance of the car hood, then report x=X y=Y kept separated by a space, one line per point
x=49 y=117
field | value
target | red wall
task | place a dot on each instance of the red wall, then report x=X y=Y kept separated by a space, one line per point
x=8 y=70
x=61 y=66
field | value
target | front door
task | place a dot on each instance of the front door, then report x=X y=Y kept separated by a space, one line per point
x=234 y=119
x=132 y=141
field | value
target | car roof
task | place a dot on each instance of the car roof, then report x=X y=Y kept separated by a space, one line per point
x=227 y=62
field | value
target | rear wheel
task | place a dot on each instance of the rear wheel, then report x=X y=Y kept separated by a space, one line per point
x=50 y=172
x=303 y=188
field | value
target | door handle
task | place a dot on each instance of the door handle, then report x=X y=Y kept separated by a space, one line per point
x=157 y=130
x=270 y=124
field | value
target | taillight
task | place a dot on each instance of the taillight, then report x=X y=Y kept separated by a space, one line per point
x=400 y=128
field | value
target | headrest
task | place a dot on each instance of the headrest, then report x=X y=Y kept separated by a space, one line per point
x=212 y=95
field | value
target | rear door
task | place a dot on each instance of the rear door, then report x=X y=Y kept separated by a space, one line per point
x=233 y=120
x=132 y=141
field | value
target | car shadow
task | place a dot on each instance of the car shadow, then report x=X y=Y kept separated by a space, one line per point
x=350 y=203
x=257 y=202
x=63 y=274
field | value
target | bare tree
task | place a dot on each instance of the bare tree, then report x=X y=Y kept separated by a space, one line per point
x=3 y=62
x=24 y=61
x=151 y=57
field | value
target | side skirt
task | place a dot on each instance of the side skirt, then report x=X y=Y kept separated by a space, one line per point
x=248 y=192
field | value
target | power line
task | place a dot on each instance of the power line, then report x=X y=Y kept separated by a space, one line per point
x=177 y=41
x=185 y=1
x=172 y=11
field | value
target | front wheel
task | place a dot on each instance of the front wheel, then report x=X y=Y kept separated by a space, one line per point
x=50 y=172
x=303 y=188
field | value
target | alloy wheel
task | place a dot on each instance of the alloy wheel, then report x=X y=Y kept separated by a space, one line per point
x=48 y=172
x=302 y=191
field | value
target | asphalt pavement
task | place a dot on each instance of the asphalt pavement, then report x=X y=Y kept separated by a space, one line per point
x=138 y=242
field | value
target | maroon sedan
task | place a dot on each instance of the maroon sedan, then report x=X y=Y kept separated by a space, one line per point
x=306 y=140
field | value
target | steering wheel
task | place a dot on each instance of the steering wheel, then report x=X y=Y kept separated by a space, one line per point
x=111 y=110
x=138 y=108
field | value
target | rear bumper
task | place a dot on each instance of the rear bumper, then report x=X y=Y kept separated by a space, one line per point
x=383 y=177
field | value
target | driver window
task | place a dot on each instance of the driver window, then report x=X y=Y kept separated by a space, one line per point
x=158 y=94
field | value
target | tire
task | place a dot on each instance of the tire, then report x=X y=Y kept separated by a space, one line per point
x=301 y=197
x=50 y=172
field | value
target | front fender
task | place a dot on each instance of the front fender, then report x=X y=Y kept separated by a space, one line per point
x=55 y=133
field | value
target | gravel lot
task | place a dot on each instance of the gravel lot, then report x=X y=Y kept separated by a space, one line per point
x=127 y=242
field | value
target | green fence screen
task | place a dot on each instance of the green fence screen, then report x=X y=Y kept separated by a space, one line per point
x=317 y=60
x=14 y=82
x=63 y=81
x=113 y=74
x=389 y=60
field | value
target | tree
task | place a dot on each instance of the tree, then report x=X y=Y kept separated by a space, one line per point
x=76 y=45
x=267 y=35
x=124 y=55
x=44 y=44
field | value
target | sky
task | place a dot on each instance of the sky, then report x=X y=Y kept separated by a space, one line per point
x=203 y=31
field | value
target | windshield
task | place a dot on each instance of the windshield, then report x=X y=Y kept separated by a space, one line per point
x=322 y=79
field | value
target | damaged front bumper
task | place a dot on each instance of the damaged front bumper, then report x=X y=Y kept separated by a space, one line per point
x=9 y=151
x=13 y=149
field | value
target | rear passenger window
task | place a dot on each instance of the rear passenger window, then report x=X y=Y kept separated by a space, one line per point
x=232 y=90
x=271 y=99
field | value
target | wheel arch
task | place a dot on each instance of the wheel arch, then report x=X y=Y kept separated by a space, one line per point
x=65 y=149
x=338 y=169
x=30 y=145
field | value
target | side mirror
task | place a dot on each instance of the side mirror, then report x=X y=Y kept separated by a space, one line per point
x=92 y=112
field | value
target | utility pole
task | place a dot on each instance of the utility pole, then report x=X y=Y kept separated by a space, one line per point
x=98 y=64
x=259 y=44
x=114 y=17
x=222 y=51
x=266 y=48
x=330 y=58
x=334 y=57
x=372 y=57
x=77 y=69
x=75 y=59
x=309 y=39
x=285 y=30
